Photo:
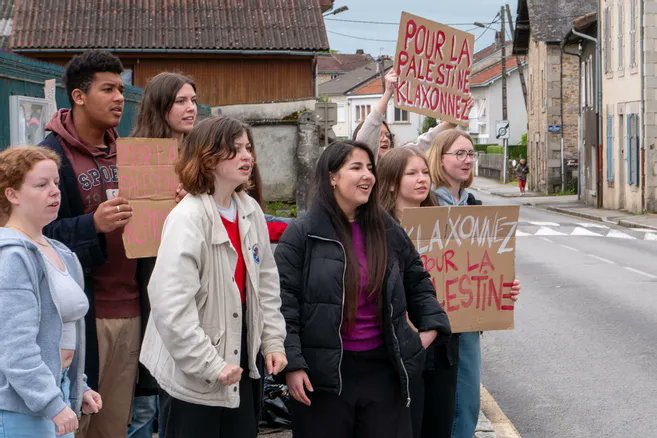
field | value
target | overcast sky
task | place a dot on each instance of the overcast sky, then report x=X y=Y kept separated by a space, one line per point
x=448 y=12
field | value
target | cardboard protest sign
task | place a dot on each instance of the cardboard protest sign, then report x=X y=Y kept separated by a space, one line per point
x=470 y=254
x=433 y=62
x=148 y=181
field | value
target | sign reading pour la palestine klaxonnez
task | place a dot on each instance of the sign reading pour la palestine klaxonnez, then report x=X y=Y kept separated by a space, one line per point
x=433 y=62
x=470 y=254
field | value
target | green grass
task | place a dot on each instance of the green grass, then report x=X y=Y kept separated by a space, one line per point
x=282 y=209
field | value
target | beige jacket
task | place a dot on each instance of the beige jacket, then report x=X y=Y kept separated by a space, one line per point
x=195 y=326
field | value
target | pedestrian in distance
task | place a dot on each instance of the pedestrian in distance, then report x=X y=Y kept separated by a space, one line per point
x=451 y=159
x=214 y=292
x=521 y=172
x=42 y=306
x=375 y=131
x=350 y=281
x=168 y=109
x=90 y=222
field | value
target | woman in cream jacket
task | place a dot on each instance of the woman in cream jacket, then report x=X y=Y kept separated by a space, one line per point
x=214 y=292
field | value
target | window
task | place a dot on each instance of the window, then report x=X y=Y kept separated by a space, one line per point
x=610 y=149
x=590 y=81
x=607 y=44
x=633 y=150
x=619 y=33
x=28 y=117
x=361 y=112
x=401 y=115
x=633 y=20
x=531 y=94
x=543 y=86
x=126 y=76
x=342 y=113
x=582 y=85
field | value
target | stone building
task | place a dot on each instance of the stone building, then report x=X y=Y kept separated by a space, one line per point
x=553 y=90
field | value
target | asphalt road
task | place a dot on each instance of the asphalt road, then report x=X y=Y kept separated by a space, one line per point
x=582 y=360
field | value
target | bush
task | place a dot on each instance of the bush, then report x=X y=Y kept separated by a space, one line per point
x=514 y=152
x=428 y=123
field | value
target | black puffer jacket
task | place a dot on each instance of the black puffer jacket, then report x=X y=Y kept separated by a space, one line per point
x=311 y=263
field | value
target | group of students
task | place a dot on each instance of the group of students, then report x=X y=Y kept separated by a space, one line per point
x=330 y=311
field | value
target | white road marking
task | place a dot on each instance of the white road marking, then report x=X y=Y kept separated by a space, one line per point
x=636 y=271
x=545 y=231
x=619 y=235
x=522 y=233
x=579 y=231
x=590 y=225
x=651 y=236
x=570 y=248
x=645 y=230
x=545 y=239
x=601 y=259
x=545 y=224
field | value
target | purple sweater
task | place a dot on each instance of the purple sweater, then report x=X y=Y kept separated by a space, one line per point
x=366 y=333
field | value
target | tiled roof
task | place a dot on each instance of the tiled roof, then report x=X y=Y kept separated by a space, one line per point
x=550 y=21
x=486 y=75
x=174 y=25
x=6 y=9
x=345 y=83
x=341 y=63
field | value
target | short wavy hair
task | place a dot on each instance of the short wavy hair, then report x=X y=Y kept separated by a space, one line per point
x=15 y=163
x=211 y=141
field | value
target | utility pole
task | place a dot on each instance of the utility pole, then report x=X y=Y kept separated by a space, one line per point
x=521 y=74
x=504 y=110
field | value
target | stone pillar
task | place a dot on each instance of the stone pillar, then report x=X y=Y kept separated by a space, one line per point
x=307 y=155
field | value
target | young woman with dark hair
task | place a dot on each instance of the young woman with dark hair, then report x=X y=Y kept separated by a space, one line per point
x=451 y=160
x=349 y=278
x=214 y=292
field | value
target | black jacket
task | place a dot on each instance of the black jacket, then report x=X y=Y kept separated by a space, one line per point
x=311 y=263
x=76 y=230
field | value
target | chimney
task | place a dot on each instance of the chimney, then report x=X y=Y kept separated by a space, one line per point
x=360 y=52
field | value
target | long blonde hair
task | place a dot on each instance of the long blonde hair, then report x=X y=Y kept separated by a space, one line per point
x=441 y=144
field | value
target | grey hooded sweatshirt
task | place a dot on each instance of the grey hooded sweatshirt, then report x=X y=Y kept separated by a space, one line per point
x=31 y=330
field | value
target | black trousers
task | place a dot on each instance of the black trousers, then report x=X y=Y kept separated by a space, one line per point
x=180 y=419
x=434 y=398
x=370 y=405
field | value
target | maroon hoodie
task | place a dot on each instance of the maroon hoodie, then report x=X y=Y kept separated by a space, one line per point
x=115 y=286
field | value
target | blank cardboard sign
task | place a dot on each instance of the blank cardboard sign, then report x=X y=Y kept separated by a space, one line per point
x=148 y=181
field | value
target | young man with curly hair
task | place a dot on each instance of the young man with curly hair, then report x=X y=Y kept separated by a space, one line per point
x=90 y=222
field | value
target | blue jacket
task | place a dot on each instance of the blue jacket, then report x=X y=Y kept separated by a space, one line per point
x=31 y=327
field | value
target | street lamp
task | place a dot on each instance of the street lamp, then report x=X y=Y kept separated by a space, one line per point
x=340 y=10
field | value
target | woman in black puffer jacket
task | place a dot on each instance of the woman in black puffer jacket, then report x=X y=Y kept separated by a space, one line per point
x=350 y=280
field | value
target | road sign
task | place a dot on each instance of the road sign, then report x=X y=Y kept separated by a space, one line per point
x=502 y=129
x=555 y=129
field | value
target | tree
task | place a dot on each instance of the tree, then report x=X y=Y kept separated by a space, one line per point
x=428 y=123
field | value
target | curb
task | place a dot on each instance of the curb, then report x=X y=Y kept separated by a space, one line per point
x=571 y=212
x=502 y=426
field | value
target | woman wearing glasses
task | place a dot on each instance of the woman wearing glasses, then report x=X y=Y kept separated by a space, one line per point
x=375 y=132
x=451 y=160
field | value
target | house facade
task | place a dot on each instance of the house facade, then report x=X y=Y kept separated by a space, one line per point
x=237 y=52
x=553 y=91
x=486 y=89
x=629 y=104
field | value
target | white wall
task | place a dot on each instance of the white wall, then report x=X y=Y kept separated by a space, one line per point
x=516 y=110
x=403 y=131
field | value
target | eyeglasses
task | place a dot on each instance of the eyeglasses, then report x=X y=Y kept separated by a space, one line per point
x=462 y=153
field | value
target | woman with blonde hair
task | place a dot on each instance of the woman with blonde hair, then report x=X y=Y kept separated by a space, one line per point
x=42 y=305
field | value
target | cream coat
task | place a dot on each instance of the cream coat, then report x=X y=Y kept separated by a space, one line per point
x=195 y=325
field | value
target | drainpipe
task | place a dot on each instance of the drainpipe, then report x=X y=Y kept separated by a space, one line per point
x=598 y=175
x=642 y=135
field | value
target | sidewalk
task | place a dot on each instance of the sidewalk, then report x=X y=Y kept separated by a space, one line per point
x=568 y=204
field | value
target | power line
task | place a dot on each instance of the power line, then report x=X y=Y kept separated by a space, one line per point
x=395 y=23
x=361 y=38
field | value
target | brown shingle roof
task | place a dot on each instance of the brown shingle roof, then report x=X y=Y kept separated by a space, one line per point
x=6 y=12
x=183 y=25
x=341 y=62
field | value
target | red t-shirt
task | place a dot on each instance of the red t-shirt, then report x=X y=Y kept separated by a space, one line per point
x=233 y=230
